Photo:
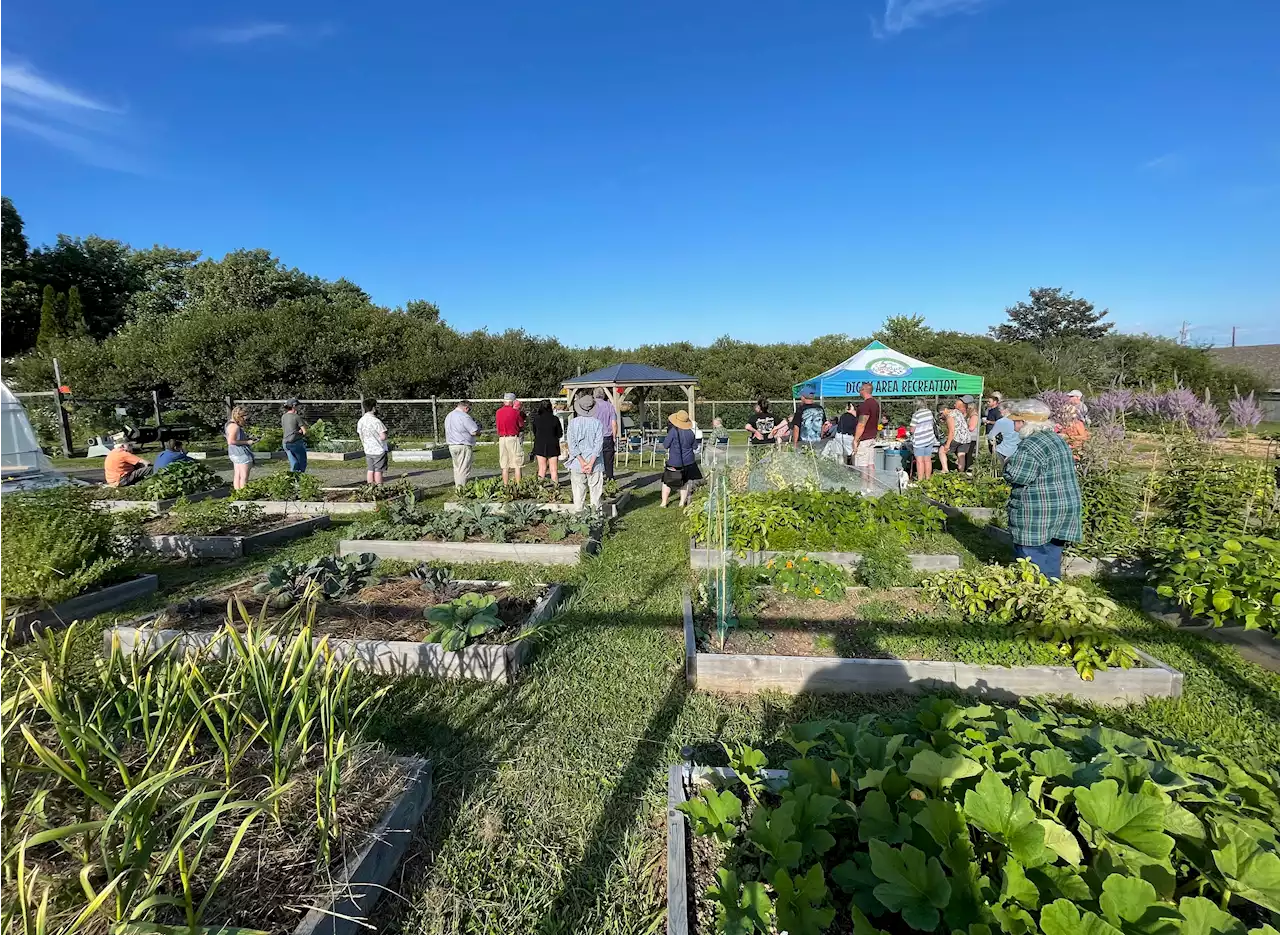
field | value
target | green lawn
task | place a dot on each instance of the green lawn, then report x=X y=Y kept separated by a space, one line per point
x=550 y=794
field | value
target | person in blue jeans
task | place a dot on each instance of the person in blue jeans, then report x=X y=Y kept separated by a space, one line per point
x=295 y=436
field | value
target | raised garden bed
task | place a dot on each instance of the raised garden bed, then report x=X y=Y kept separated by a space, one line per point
x=612 y=508
x=334 y=455
x=377 y=630
x=368 y=873
x=83 y=606
x=229 y=546
x=1078 y=565
x=747 y=672
x=702 y=558
x=1258 y=646
x=982 y=514
x=159 y=506
x=525 y=553
x=438 y=453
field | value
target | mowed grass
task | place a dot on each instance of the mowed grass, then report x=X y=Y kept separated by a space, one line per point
x=550 y=793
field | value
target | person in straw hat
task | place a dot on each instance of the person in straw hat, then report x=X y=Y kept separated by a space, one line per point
x=681 y=471
x=585 y=440
x=1044 y=502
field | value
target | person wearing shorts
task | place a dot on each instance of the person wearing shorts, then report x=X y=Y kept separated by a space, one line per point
x=509 y=421
x=864 y=442
x=923 y=440
x=373 y=437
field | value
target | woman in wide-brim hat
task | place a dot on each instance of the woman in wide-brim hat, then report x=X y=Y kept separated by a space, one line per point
x=681 y=471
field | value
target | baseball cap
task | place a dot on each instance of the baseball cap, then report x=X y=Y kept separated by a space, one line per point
x=1077 y=394
x=508 y=397
x=967 y=400
x=291 y=402
x=806 y=392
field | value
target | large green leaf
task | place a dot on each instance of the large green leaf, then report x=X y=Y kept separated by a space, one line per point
x=1131 y=904
x=810 y=815
x=1062 y=918
x=714 y=813
x=1202 y=916
x=1061 y=841
x=1251 y=871
x=773 y=831
x=943 y=820
x=930 y=768
x=913 y=886
x=876 y=819
x=1015 y=887
x=802 y=902
x=743 y=908
x=1008 y=817
x=1131 y=818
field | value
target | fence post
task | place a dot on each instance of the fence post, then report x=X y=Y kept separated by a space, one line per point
x=231 y=404
x=155 y=405
x=435 y=430
x=64 y=423
x=713 y=410
x=659 y=414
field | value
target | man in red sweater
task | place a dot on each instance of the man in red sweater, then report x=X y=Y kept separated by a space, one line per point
x=510 y=422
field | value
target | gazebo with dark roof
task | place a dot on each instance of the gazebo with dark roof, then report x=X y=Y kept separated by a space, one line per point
x=621 y=379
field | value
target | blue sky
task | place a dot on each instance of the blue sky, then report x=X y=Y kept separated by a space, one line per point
x=632 y=172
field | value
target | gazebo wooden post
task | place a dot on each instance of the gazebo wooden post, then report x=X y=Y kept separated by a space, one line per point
x=690 y=390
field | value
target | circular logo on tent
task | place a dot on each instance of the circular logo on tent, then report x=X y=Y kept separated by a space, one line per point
x=888 y=367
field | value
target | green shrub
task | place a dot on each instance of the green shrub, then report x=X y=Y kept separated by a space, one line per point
x=282 y=485
x=1224 y=579
x=1080 y=624
x=214 y=517
x=992 y=821
x=182 y=478
x=1205 y=493
x=956 y=489
x=268 y=439
x=785 y=520
x=55 y=545
x=1110 y=502
x=885 y=563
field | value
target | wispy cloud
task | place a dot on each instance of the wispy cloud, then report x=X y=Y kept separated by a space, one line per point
x=26 y=88
x=1166 y=164
x=901 y=15
x=37 y=105
x=247 y=33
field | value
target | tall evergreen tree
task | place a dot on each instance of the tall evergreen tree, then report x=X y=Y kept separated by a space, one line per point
x=75 y=323
x=50 y=328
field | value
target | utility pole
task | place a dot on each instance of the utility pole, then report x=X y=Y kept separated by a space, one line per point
x=1233 y=335
x=1182 y=334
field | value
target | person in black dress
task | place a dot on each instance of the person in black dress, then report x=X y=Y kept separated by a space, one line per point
x=546 y=440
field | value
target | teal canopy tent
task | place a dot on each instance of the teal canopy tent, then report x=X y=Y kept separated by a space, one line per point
x=890 y=374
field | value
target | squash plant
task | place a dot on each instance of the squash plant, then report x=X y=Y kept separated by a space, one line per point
x=979 y=820
x=1079 y=623
x=462 y=620
x=1226 y=580
x=282 y=485
x=956 y=489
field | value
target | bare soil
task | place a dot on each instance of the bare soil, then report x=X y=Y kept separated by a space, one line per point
x=391 y=610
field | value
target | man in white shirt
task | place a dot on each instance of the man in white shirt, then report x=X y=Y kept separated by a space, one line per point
x=460 y=435
x=373 y=436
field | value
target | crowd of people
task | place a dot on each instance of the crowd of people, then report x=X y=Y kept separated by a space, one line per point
x=1032 y=448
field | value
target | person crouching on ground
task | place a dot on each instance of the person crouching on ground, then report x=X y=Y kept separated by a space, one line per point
x=586 y=443
x=172 y=454
x=373 y=436
x=681 y=471
x=510 y=422
x=1044 y=502
x=123 y=468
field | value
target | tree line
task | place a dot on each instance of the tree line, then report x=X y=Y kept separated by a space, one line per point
x=123 y=322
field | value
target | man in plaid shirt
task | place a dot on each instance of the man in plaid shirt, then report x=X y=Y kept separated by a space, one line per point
x=1044 y=504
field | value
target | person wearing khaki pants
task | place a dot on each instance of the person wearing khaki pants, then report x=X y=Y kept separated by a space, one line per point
x=586 y=444
x=460 y=435
x=510 y=422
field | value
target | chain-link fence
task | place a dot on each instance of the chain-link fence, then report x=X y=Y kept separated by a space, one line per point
x=410 y=422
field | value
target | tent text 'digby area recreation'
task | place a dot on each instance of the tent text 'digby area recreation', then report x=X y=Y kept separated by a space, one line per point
x=890 y=374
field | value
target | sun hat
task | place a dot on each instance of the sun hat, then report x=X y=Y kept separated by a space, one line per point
x=508 y=397
x=1077 y=394
x=584 y=404
x=680 y=419
x=1028 y=410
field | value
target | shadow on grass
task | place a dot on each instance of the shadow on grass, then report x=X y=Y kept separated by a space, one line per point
x=974 y=537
